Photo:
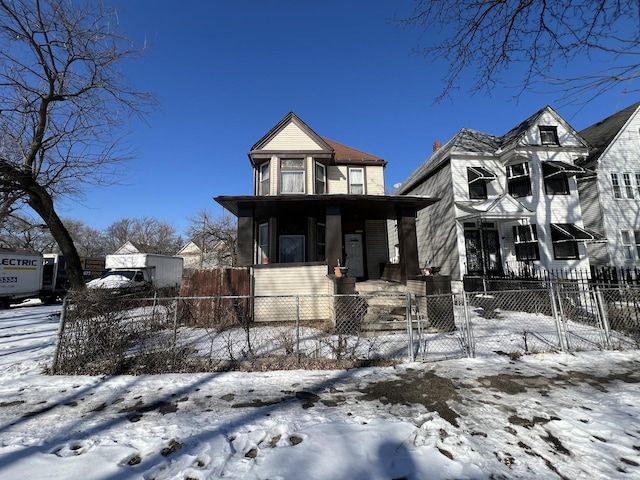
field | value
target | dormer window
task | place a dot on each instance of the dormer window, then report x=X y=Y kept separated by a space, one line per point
x=292 y=175
x=549 y=135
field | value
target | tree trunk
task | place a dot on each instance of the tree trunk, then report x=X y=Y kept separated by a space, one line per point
x=40 y=200
x=42 y=204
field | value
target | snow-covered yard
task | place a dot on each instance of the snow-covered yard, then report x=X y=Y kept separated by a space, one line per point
x=545 y=415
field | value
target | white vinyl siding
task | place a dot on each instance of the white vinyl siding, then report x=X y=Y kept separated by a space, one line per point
x=291 y=138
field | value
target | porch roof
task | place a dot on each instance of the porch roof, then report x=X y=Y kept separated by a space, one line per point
x=366 y=207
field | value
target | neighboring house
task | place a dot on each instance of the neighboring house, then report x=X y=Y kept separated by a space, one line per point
x=611 y=205
x=197 y=259
x=317 y=204
x=508 y=204
x=134 y=247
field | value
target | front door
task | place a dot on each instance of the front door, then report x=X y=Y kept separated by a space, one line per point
x=354 y=251
x=483 y=252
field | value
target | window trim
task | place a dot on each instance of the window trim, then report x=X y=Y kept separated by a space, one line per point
x=351 y=184
x=263 y=242
x=545 y=131
x=525 y=238
x=316 y=181
x=264 y=183
x=284 y=170
x=518 y=178
x=297 y=236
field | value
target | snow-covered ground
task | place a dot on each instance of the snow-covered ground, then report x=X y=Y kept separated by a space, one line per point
x=565 y=416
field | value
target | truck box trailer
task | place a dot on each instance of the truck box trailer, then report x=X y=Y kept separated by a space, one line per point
x=141 y=270
x=20 y=276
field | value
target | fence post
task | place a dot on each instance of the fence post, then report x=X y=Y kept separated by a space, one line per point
x=471 y=348
x=603 y=319
x=557 y=317
x=298 y=328
x=412 y=356
x=54 y=365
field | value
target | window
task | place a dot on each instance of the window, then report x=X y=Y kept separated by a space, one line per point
x=291 y=248
x=478 y=178
x=264 y=179
x=548 y=135
x=565 y=245
x=263 y=243
x=630 y=241
x=555 y=180
x=321 y=179
x=518 y=179
x=615 y=182
x=356 y=181
x=525 y=238
x=321 y=230
x=292 y=175
x=628 y=189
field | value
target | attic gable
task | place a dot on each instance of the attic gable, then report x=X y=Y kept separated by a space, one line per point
x=290 y=134
x=528 y=131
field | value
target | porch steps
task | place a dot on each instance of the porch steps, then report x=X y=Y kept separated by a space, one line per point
x=386 y=312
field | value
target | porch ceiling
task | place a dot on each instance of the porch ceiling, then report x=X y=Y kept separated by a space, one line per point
x=365 y=207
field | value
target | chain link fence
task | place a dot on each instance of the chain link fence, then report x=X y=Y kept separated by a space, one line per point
x=103 y=334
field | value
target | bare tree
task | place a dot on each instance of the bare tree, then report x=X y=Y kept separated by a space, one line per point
x=216 y=236
x=63 y=103
x=19 y=232
x=543 y=37
x=89 y=241
x=156 y=235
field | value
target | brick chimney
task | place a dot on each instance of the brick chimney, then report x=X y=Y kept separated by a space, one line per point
x=436 y=146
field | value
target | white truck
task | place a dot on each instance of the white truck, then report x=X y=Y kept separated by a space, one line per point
x=141 y=272
x=20 y=276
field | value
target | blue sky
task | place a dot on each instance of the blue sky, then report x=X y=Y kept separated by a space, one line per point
x=226 y=72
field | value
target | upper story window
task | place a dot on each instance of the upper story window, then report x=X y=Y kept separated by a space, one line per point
x=519 y=180
x=478 y=178
x=624 y=189
x=556 y=181
x=263 y=188
x=292 y=175
x=321 y=179
x=549 y=135
x=356 y=181
x=525 y=238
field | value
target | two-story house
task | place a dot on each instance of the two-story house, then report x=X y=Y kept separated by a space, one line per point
x=508 y=204
x=611 y=204
x=317 y=205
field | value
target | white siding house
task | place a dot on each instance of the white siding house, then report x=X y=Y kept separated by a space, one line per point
x=611 y=205
x=509 y=205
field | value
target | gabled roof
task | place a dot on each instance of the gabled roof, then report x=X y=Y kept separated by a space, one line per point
x=344 y=154
x=465 y=141
x=601 y=134
x=329 y=148
x=468 y=141
x=289 y=118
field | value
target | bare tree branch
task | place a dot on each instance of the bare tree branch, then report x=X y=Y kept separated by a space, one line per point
x=63 y=106
x=489 y=37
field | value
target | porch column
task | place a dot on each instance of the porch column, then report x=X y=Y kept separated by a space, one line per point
x=333 y=237
x=245 y=236
x=408 y=240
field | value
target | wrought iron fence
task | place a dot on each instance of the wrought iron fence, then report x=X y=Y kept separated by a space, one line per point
x=107 y=335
